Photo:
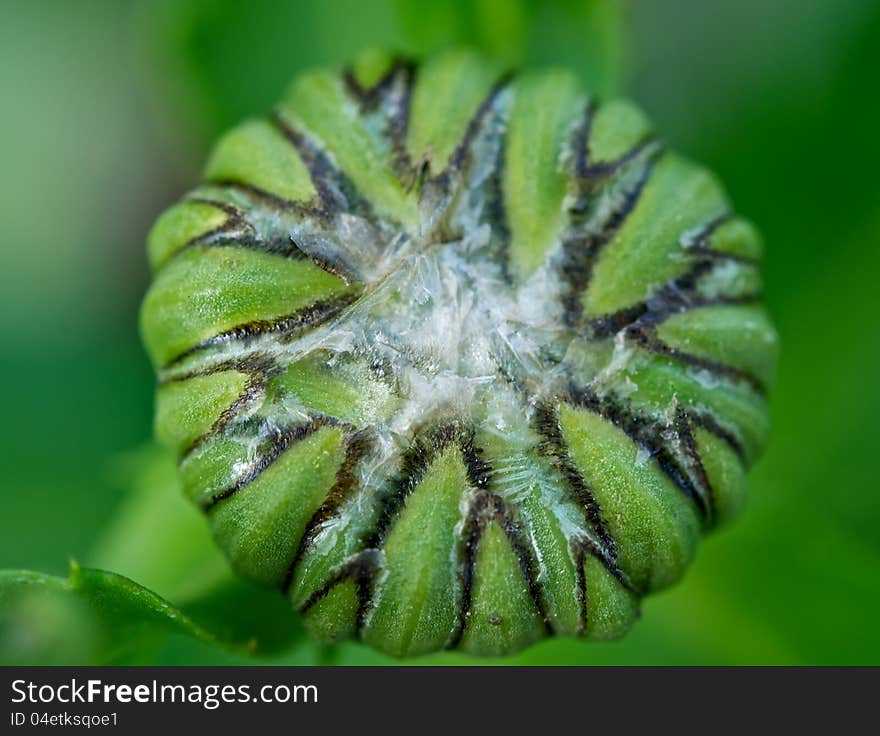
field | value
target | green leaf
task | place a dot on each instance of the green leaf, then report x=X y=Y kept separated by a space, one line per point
x=93 y=616
x=98 y=617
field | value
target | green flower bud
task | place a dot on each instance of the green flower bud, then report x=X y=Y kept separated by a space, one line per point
x=458 y=359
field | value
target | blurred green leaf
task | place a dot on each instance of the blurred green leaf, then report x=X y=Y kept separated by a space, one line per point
x=98 y=617
x=93 y=617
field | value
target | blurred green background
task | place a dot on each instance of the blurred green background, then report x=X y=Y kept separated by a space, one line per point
x=108 y=108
